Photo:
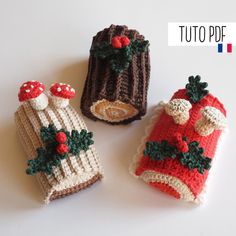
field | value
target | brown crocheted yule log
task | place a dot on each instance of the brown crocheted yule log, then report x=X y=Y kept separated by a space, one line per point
x=118 y=76
x=58 y=145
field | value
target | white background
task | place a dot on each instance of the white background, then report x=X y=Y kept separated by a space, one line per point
x=49 y=40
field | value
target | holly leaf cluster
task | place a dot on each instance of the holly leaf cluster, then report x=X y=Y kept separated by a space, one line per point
x=79 y=141
x=196 y=90
x=47 y=157
x=160 y=150
x=120 y=58
x=193 y=159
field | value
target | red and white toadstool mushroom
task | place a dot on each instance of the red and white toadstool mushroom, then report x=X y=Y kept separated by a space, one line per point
x=61 y=94
x=32 y=91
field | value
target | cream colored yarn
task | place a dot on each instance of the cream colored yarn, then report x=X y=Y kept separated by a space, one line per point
x=152 y=176
x=212 y=119
x=40 y=102
x=179 y=110
x=74 y=173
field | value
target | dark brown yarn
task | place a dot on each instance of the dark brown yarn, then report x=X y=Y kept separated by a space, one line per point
x=129 y=87
x=75 y=189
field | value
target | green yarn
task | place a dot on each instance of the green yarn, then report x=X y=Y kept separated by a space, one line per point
x=119 y=59
x=47 y=156
x=160 y=150
x=196 y=89
x=193 y=159
x=79 y=141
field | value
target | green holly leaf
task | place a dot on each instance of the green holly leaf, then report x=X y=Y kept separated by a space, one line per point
x=196 y=89
x=47 y=134
x=194 y=158
x=102 y=50
x=119 y=59
x=47 y=158
x=80 y=141
x=160 y=150
x=37 y=164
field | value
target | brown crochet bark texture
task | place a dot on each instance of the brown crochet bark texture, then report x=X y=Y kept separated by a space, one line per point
x=116 y=98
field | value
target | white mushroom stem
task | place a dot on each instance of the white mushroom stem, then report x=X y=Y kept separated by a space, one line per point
x=179 y=110
x=60 y=102
x=181 y=118
x=212 y=119
x=40 y=102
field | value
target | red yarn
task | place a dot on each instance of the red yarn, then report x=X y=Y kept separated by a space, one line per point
x=116 y=43
x=166 y=189
x=120 y=41
x=125 y=41
x=61 y=137
x=165 y=128
x=62 y=148
x=182 y=146
x=30 y=90
x=178 y=141
x=62 y=90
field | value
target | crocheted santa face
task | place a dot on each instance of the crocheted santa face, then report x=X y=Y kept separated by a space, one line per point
x=176 y=154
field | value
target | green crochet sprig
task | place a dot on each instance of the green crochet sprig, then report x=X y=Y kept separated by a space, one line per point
x=58 y=144
x=192 y=159
x=196 y=89
x=158 y=151
x=119 y=58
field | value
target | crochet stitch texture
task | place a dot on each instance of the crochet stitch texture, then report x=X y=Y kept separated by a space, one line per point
x=183 y=178
x=116 y=86
x=76 y=171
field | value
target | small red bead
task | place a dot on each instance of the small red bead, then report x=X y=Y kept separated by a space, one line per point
x=61 y=137
x=125 y=41
x=182 y=146
x=177 y=137
x=116 y=43
x=62 y=148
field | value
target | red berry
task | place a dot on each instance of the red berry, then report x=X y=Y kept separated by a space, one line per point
x=62 y=148
x=177 y=137
x=125 y=41
x=61 y=137
x=116 y=43
x=182 y=146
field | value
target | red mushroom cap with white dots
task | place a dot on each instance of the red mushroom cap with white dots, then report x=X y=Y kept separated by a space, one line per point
x=62 y=90
x=30 y=89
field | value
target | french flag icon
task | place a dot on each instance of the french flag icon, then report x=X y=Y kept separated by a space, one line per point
x=225 y=47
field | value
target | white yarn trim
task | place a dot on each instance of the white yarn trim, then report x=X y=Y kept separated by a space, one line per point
x=201 y=198
x=181 y=188
x=136 y=158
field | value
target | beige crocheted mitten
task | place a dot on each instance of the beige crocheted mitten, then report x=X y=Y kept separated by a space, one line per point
x=56 y=140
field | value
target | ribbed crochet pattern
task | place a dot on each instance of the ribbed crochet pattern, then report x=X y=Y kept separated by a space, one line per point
x=170 y=174
x=116 y=98
x=75 y=172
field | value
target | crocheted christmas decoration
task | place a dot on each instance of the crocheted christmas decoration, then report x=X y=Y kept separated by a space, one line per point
x=119 y=52
x=61 y=94
x=58 y=145
x=190 y=155
x=195 y=89
x=32 y=91
x=118 y=76
x=176 y=153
